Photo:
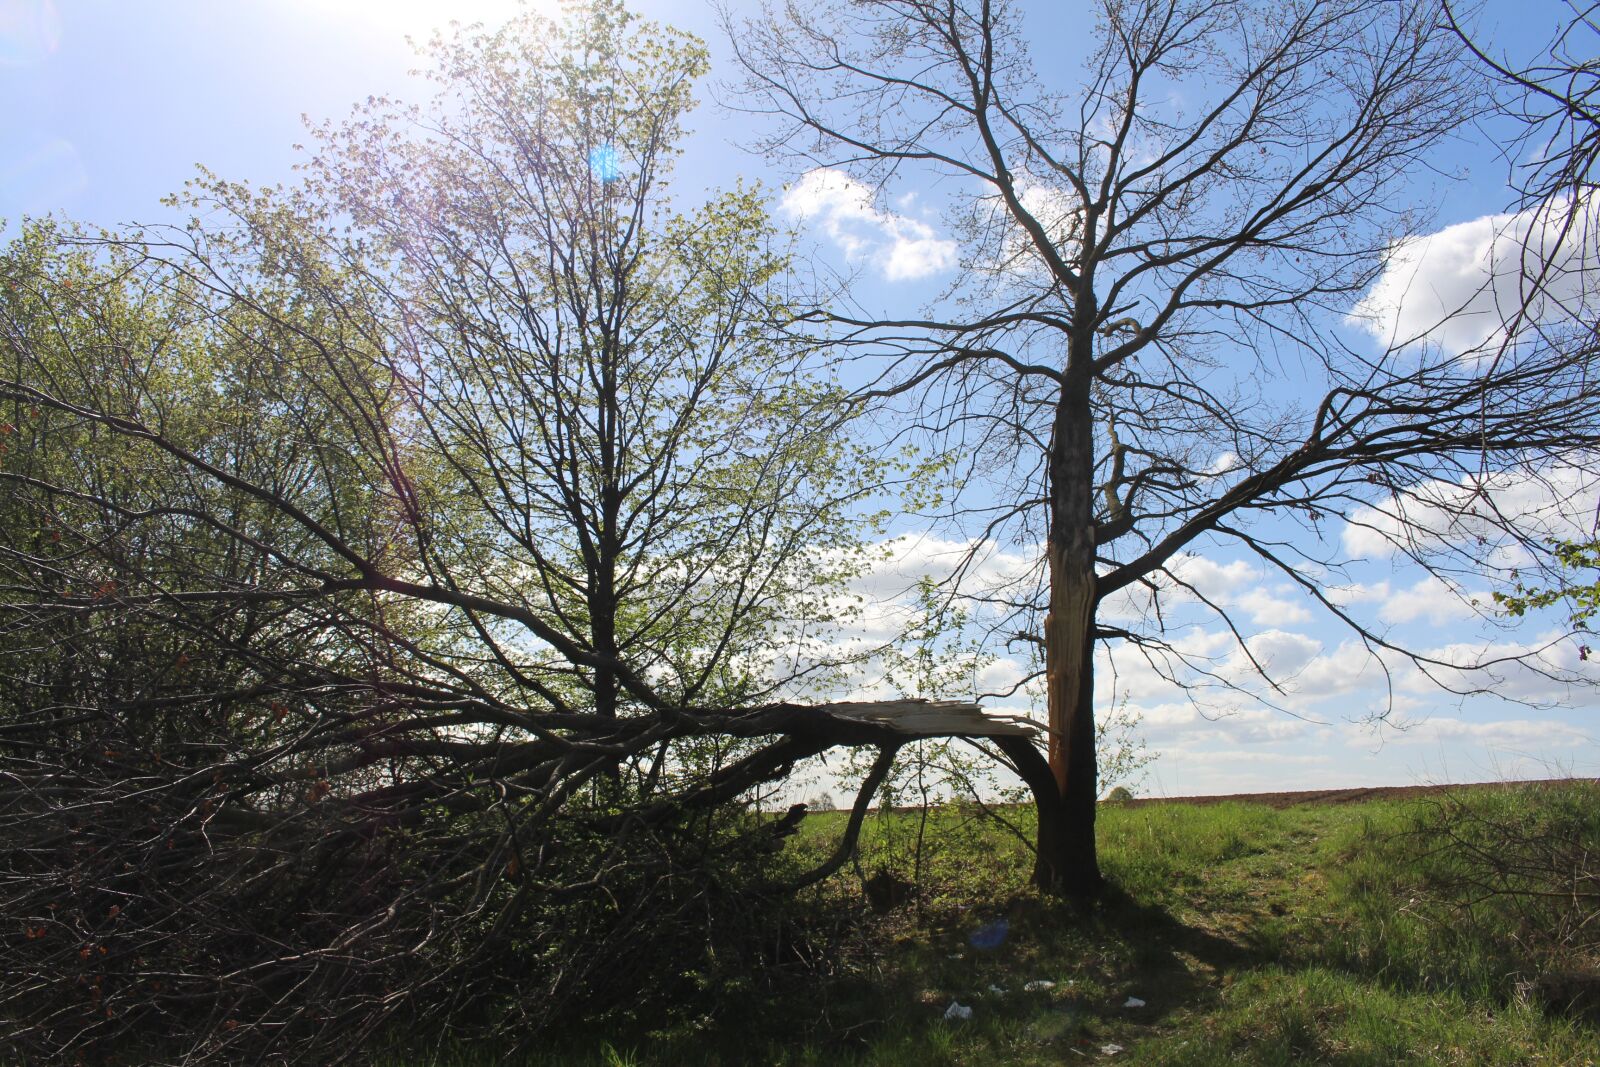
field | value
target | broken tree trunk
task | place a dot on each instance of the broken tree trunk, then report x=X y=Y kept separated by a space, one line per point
x=1015 y=737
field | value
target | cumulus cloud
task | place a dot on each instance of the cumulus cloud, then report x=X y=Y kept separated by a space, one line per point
x=1177 y=726
x=1124 y=672
x=1003 y=675
x=1557 y=504
x=1204 y=689
x=901 y=247
x=1238 y=587
x=1335 y=675
x=1269 y=608
x=882 y=603
x=1212 y=578
x=1457 y=288
x=1429 y=599
x=983 y=565
x=1358 y=592
x=1504 y=736
x=1543 y=671
x=1283 y=654
x=1014 y=252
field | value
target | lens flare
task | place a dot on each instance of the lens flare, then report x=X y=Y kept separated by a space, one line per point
x=605 y=164
x=30 y=31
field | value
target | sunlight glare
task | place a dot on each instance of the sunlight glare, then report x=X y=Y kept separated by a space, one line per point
x=30 y=31
x=419 y=18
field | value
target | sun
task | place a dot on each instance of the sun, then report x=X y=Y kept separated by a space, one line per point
x=419 y=18
x=422 y=16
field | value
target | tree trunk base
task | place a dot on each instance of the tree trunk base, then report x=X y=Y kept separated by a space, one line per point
x=1066 y=863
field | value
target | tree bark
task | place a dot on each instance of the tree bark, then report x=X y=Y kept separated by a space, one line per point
x=1067 y=862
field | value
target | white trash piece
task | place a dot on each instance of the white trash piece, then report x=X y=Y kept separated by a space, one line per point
x=997 y=991
x=1110 y=1050
x=1133 y=1002
x=957 y=1010
x=1039 y=985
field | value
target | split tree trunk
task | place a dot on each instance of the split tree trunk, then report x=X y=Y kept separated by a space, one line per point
x=1067 y=863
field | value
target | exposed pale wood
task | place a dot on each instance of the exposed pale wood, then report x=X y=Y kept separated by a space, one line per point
x=933 y=718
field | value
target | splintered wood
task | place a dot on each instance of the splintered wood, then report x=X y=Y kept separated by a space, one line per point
x=934 y=718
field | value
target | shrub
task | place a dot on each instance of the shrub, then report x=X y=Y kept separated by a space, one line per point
x=1500 y=890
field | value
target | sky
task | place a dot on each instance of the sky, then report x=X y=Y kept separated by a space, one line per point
x=111 y=105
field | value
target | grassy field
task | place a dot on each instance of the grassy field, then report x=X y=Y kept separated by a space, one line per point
x=1236 y=933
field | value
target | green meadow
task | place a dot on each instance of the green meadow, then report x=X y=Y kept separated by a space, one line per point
x=1458 y=928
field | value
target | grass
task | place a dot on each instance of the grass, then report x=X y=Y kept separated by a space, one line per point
x=1253 y=935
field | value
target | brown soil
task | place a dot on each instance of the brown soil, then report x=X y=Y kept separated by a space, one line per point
x=1344 y=796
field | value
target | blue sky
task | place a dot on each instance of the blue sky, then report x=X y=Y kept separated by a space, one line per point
x=111 y=105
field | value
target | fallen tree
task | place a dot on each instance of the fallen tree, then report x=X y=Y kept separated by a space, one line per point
x=407 y=576
x=180 y=906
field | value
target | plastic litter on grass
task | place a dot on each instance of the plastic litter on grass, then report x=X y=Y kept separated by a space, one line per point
x=990 y=935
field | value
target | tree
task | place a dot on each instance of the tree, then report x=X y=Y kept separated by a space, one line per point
x=1553 y=161
x=1552 y=100
x=1145 y=352
x=481 y=538
x=78 y=531
x=163 y=684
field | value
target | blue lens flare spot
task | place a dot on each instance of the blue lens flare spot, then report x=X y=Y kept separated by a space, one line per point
x=605 y=164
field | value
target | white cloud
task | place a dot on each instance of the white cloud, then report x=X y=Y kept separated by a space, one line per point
x=1350 y=667
x=985 y=565
x=1233 y=586
x=901 y=247
x=1546 y=670
x=1542 y=734
x=1358 y=592
x=1283 y=654
x=1205 y=691
x=1268 y=609
x=1225 y=463
x=1055 y=210
x=1556 y=504
x=1176 y=726
x=1210 y=578
x=1429 y=599
x=1126 y=672
x=1457 y=288
x=1003 y=675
